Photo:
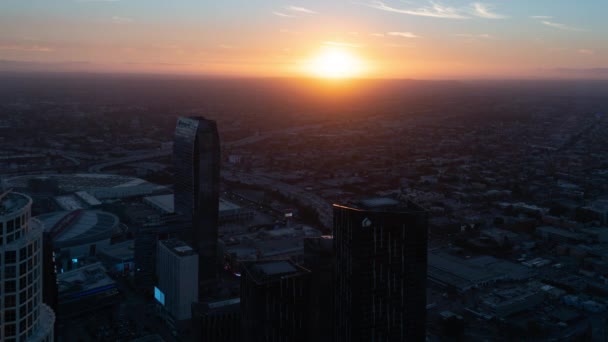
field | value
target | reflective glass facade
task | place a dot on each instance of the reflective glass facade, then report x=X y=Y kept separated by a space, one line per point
x=196 y=153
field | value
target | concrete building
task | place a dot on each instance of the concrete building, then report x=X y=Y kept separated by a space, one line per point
x=177 y=271
x=84 y=290
x=23 y=316
x=510 y=301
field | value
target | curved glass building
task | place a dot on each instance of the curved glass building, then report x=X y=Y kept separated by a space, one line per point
x=23 y=315
x=196 y=155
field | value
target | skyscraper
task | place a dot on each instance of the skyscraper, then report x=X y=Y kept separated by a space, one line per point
x=177 y=288
x=23 y=316
x=274 y=302
x=196 y=153
x=380 y=290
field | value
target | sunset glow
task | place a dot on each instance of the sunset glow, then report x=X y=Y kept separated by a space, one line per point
x=335 y=62
x=325 y=39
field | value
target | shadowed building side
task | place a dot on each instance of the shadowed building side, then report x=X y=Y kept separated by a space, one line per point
x=196 y=153
x=380 y=290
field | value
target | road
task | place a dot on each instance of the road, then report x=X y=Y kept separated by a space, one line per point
x=167 y=152
x=320 y=205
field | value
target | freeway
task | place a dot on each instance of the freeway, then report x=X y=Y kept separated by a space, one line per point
x=321 y=206
x=97 y=168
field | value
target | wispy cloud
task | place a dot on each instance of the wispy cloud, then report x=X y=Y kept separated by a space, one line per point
x=435 y=10
x=471 y=35
x=121 y=20
x=27 y=48
x=391 y=45
x=541 y=17
x=402 y=34
x=586 y=52
x=377 y=34
x=96 y=0
x=284 y=15
x=343 y=44
x=560 y=26
x=287 y=31
x=300 y=9
x=482 y=11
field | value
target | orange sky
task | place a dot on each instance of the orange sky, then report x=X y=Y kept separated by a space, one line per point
x=393 y=39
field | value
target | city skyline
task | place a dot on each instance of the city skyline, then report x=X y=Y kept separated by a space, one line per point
x=386 y=39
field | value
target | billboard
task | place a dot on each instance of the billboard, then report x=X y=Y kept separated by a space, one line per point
x=159 y=295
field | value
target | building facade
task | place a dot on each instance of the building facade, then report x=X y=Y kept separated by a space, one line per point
x=274 y=302
x=23 y=316
x=177 y=288
x=196 y=153
x=380 y=290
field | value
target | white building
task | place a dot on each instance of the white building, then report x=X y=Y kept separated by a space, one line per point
x=177 y=270
x=23 y=315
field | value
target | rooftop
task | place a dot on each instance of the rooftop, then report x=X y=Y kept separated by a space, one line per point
x=11 y=202
x=383 y=204
x=76 y=227
x=82 y=280
x=179 y=247
x=268 y=271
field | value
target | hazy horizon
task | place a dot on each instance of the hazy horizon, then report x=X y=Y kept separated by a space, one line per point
x=456 y=39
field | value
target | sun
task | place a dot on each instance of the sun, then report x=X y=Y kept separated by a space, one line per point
x=334 y=62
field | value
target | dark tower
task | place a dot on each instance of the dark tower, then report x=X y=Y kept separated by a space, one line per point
x=381 y=252
x=274 y=302
x=196 y=153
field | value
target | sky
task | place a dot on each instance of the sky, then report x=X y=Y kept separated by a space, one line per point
x=421 y=39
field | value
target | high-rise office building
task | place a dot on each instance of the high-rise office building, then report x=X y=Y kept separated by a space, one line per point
x=274 y=302
x=319 y=258
x=23 y=316
x=196 y=153
x=218 y=320
x=380 y=290
x=177 y=288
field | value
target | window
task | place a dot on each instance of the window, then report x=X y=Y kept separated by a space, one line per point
x=10 y=330
x=22 y=296
x=22 y=268
x=10 y=271
x=10 y=315
x=10 y=286
x=10 y=226
x=10 y=257
x=9 y=301
x=23 y=253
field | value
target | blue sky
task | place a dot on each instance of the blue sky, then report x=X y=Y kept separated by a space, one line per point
x=426 y=39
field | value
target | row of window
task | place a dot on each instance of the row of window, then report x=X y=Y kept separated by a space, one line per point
x=26 y=327
x=14 y=224
x=10 y=257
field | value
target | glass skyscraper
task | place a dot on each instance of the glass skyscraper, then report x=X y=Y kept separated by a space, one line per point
x=196 y=153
